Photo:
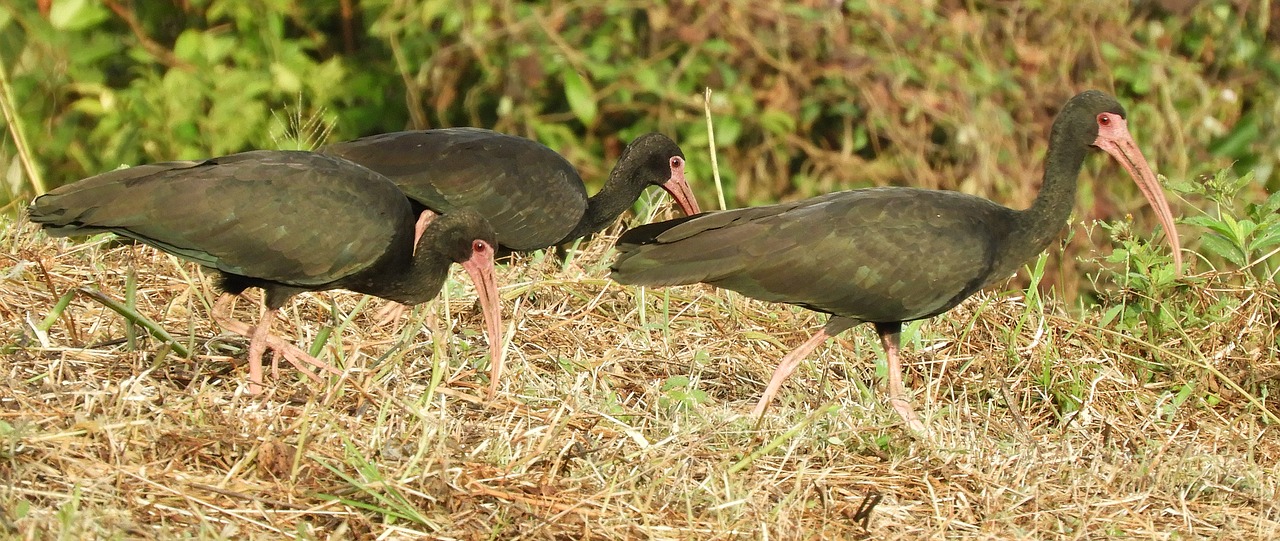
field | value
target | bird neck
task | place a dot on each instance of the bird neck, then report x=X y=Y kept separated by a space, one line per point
x=1040 y=224
x=617 y=195
x=411 y=276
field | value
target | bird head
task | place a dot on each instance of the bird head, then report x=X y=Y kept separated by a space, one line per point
x=656 y=160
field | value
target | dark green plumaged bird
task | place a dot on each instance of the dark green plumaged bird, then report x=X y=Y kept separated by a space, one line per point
x=885 y=255
x=531 y=195
x=286 y=222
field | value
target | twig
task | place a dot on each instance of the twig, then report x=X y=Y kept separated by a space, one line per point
x=711 y=142
x=165 y=56
x=16 y=130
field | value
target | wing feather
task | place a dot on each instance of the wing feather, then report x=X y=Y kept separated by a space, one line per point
x=508 y=180
x=890 y=254
x=293 y=217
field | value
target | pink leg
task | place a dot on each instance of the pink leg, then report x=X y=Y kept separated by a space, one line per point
x=889 y=338
x=786 y=367
x=296 y=357
x=390 y=313
x=258 y=346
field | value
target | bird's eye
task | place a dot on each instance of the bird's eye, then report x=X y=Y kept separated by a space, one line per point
x=479 y=246
x=1104 y=119
x=676 y=161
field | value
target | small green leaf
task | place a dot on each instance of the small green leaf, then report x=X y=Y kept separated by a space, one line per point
x=1223 y=248
x=76 y=14
x=1225 y=226
x=1180 y=185
x=1265 y=240
x=580 y=95
x=777 y=122
x=675 y=382
x=1202 y=221
x=1110 y=314
x=1272 y=205
x=1245 y=229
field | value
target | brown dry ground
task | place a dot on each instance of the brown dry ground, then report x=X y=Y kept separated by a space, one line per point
x=1042 y=424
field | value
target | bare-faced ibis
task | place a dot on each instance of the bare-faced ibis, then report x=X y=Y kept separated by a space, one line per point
x=885 y=255
x=286 y=222
x=531 y=195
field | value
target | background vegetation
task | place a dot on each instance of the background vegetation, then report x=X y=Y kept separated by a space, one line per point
x=1146 y=415
x=808 y=97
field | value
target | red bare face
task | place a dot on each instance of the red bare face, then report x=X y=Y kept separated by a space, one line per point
x=1114 y=138
x=679 y=188
x=480 y=267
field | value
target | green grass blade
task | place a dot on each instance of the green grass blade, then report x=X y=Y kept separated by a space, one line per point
x=134 y=317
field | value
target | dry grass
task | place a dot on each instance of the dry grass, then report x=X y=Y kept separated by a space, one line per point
x=1042 y=425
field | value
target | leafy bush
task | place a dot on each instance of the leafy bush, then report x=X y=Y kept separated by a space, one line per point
x=808 y=97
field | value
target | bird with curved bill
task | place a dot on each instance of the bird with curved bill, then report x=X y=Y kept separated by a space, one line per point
x=286 y=222
x=530 y=194
x=885 y=255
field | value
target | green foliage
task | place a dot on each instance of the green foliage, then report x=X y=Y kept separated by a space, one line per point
x=807 y=97
x=383 y=496
x=207 y=85
x=1176 y=325
x=1244 y=234
x=679 y=392
x=1146 y=276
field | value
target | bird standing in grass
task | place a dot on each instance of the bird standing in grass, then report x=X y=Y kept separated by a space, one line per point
x=530 y=194
x=885 y=255
x=286 y=222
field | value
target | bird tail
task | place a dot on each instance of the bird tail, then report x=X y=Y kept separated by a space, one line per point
x=665 y=254
x=108 y=203
x=80 y=208
x=71 y=209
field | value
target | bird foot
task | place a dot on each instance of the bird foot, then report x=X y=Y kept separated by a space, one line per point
x=280 y=348
x=300 y=359
x=908 y=414
x=290 y=352
x=390 y=313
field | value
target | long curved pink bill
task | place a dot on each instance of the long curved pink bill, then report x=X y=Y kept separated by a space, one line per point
x=1114 y=138
x=480 y=267
x=679 y=189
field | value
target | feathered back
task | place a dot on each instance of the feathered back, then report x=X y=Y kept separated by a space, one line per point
x=285 y=216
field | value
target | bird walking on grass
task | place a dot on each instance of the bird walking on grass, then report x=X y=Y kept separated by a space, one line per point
x=530 y=194
x=885 y=255
x=286 y=222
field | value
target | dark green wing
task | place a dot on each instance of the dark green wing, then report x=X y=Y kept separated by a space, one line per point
x=293 y=217
x=530 y=194
x=889 y=254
